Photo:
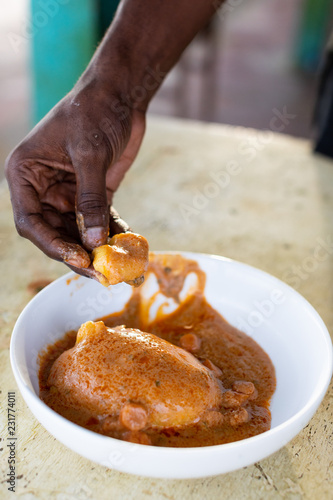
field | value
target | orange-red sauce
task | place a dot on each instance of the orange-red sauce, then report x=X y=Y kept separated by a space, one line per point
x=233 y=356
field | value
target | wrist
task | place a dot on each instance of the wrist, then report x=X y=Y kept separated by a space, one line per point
x=122 y=65
x=117 y=79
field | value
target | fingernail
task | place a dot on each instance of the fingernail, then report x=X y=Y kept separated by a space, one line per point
x=75 y=256
x=77 y=262
x=94 y=237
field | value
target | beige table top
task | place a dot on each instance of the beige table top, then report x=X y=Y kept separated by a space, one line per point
x=257 y=197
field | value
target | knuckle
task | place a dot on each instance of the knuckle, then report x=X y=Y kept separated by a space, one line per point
x=92 y=148
x=92 y=203
x=15 y=164
x=7 y=165
x=21 y=224
x=11 y=162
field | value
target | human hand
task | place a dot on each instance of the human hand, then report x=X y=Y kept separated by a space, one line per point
x=62 y=176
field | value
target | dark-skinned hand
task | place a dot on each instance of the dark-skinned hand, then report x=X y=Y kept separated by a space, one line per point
x=62 y=176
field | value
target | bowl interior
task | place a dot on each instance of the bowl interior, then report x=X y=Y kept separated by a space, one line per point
x=278 y=318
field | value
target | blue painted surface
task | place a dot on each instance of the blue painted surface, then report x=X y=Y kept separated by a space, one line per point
x=313 y=33
x=65 y=37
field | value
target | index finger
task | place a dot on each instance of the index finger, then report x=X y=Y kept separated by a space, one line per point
x=30 y=223
x=116 y=223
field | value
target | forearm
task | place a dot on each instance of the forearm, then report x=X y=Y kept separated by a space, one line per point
x=144 y=41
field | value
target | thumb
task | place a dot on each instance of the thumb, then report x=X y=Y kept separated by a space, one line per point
x=92 y=211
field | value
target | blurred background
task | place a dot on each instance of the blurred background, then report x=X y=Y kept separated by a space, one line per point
x=256 y=56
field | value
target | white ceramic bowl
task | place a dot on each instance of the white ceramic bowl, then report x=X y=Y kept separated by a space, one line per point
x=277 y=317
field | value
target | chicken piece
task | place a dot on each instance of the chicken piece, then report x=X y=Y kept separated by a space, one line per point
x=142 y=380
x=124 y=258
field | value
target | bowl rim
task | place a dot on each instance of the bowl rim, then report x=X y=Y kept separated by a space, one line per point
x=310 y=406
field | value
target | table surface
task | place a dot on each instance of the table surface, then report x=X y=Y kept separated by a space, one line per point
x=257 y=197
